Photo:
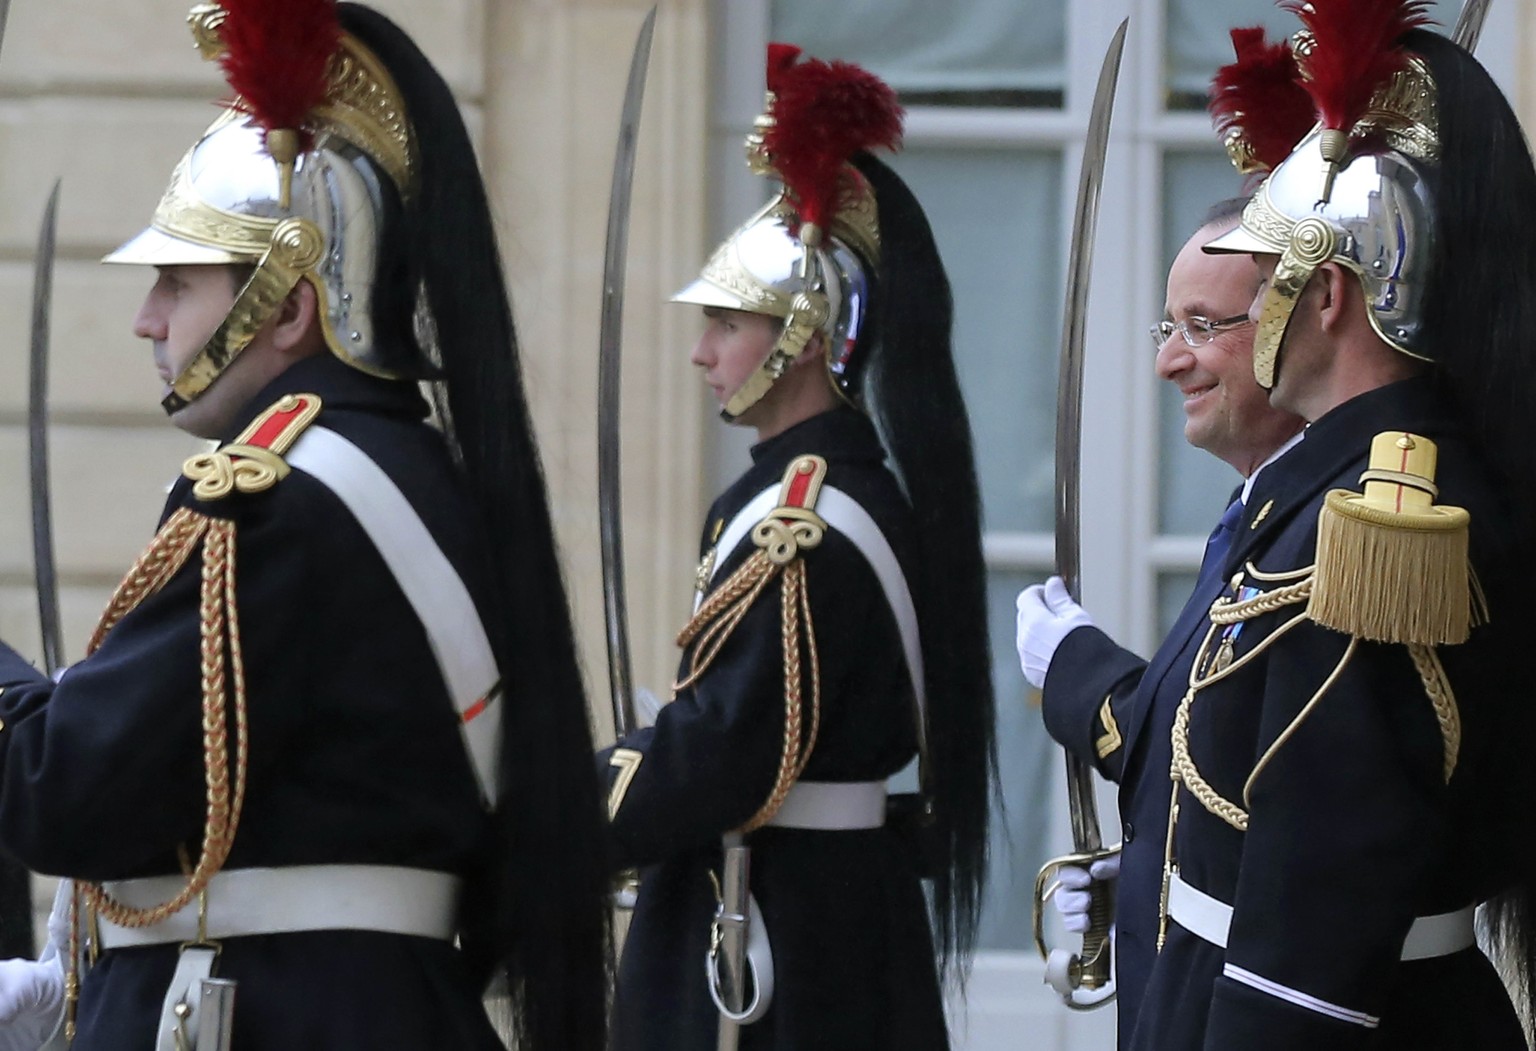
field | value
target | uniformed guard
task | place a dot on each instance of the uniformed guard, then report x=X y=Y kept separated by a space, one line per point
x=839 y=631
x=1353 y=742
x=329 y=743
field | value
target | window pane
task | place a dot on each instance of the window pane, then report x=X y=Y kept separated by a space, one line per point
x=959 y=52
x=1192 y=484
x=1197 y=40
x=1029 y=761
x=995 y=214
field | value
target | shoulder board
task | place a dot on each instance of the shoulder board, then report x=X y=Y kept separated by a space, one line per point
x=253 y=462
x=802 y=483
x=794 y=526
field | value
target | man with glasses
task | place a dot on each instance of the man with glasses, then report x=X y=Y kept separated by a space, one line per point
x=1102 y=701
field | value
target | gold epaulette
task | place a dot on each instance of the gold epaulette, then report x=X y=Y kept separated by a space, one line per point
x=253 y=462
x=794 y=525
x=1391 y=563
x=789 y=529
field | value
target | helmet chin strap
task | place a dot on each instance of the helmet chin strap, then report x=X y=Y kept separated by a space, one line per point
x=1311 y=244
x=808 y=312
x=296 y=248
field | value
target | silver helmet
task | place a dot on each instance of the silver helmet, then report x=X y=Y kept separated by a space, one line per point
x=1378 y=222
x=764 y=268
x=251 y=196
x=1358 y=196
x=810 y=254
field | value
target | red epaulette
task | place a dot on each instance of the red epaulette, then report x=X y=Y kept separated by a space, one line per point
x=253 y=462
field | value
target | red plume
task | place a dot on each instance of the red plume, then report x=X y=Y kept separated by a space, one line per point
x=1357 y=47
x=1261 y=94
x=823 y=113
x=276 y=56
x=781 y=57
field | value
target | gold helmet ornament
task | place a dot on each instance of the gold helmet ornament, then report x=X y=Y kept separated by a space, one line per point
x=295 y=179
x=1355 y=191
x=808 y=256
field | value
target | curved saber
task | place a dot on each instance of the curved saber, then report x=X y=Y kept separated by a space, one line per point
x=1469 y=24
x=1091 y=970
x=610 y=518
x=45 y=571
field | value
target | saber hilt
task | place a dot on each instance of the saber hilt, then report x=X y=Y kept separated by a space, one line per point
x=1084 y=980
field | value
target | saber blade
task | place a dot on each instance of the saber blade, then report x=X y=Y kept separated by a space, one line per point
x=1469 y=24
x=1069 y=395
x=610 y=517
x=1069 y=404
x=45 y=570
x=1090 y=971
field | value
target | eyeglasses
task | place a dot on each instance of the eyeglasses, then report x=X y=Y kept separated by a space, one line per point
x=1197 y=331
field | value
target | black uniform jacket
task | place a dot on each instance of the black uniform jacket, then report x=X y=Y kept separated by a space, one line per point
x=355 y=755
x=1352 y=831
x=844 y=910
x=1131 y=748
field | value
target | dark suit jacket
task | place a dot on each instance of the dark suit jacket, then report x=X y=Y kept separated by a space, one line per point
x=1087 y=671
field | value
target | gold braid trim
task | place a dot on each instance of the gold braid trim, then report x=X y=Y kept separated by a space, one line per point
x=713 y=624
x=720 y=613
x=220 y=645
x=72 y=972
x=1295 y=724
x=162 y=560
x=1224 y=612
x=1185 y=772
x=1426 y=660
x=1447 y=713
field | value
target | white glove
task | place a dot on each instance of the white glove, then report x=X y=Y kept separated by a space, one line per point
x=1072 y=898
x=32 y=992
x=1047 y=615
x=647 y=707
x=31 y=1002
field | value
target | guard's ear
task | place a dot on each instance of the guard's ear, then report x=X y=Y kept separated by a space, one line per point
x=814 y=351
x=295 y=327
x=1332 y=288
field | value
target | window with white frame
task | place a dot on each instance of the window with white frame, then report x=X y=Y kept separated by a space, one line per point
x=997 y=93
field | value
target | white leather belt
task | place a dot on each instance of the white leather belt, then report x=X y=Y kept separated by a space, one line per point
x=833 y=805
x=244 y=902
x=1211 y=919
x=430 y=583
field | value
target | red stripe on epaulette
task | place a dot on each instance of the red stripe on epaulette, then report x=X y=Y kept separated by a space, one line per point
x=253 y=462
x=802 y=482
x=281 y=423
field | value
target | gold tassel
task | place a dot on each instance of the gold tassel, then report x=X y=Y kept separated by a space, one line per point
x=1392 y=565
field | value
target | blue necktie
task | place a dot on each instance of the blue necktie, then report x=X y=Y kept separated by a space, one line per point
x=1220 y=543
